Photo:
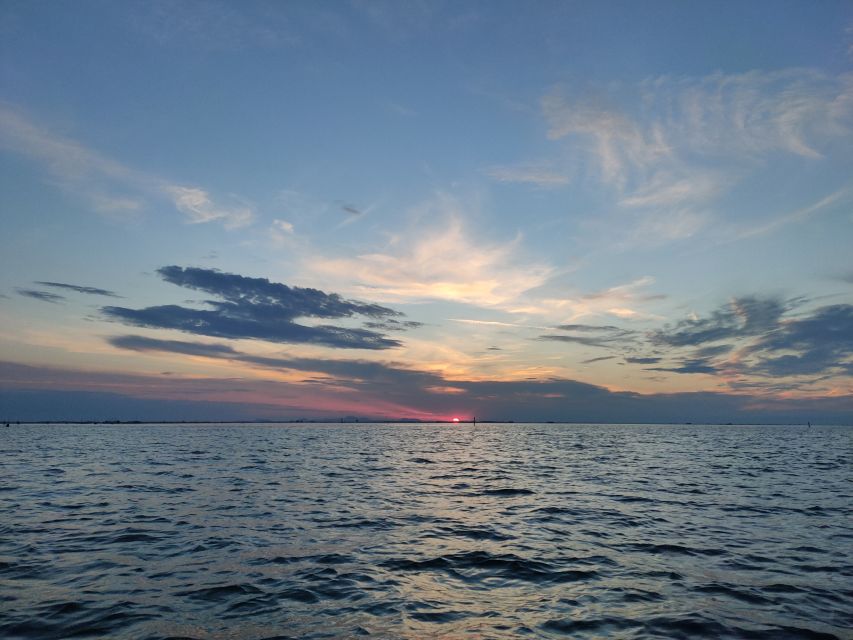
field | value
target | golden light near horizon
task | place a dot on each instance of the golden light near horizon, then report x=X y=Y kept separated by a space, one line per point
x=531 y=267
x=256 y=256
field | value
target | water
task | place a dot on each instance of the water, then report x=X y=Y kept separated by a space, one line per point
x=423 y=531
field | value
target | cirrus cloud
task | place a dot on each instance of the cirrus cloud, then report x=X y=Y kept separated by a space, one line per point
x=110 y=186
x=439 y=262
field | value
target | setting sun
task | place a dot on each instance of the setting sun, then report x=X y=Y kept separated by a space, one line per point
x=237 y=313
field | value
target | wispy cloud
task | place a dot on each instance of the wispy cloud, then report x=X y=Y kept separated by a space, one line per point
x=742 y=317
x=197 y=205
x=438 y=262
x=392 y=324
x=689 y=365
x=530 y=174
x=639 y=360
x=43 y=296
x=108 y=185
x=621 y=301
x=606 y=336
x=94 y=291
x=666 y=189
x=620 y=144
x=354 y=214
x=350 y=372
x=745 y=115
x=492 y=323
x=692 y=139
x=827 y=203
x=755 y=113
x=283 y=226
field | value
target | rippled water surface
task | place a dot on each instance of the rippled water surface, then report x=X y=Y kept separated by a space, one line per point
x=421 y=531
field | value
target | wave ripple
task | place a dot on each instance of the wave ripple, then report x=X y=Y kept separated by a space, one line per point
x=425 y=531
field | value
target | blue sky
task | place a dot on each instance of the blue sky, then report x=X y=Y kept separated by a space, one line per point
x=427 y=209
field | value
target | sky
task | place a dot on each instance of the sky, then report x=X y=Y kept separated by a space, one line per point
x=569 y=211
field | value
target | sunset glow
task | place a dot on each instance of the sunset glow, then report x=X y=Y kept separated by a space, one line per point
x=525 y=213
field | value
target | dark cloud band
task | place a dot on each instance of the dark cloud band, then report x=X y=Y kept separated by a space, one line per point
x=255 y=308
x=94 y=291
x=43 y=296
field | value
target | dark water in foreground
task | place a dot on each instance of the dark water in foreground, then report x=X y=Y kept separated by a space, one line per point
x=422 y=531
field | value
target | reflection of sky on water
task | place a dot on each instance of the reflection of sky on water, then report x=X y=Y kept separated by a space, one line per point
x=427 y=530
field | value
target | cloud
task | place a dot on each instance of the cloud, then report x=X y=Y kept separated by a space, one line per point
x=404 y=385
x=699 y=360
x=747 y=115
x=665 y=189
x=110 y=186
x=530 y=174
x=197 y=205
x=771 y=345
x=620 y=144
x=391 y=324
x=804 y=213
x=353 y=373
x=742 y=317
x=712 y=351
x=382 y=391
x=94 y=291
x=589 y=328
x=620 y=301
x=648 y=360
x=44 y=296
x=685 y=142
x=694 y=365
x=821 y=343
x=283 y=226
x=756 y=113
x=143 y=344
x=439 y=262
x=291 y=302
x=354 y=213
x=282 y=234
x=255 y=308
x=487 y=323
x=593 y=335
x=111 y=204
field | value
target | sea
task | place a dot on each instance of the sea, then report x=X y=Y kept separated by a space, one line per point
x=251 y=531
